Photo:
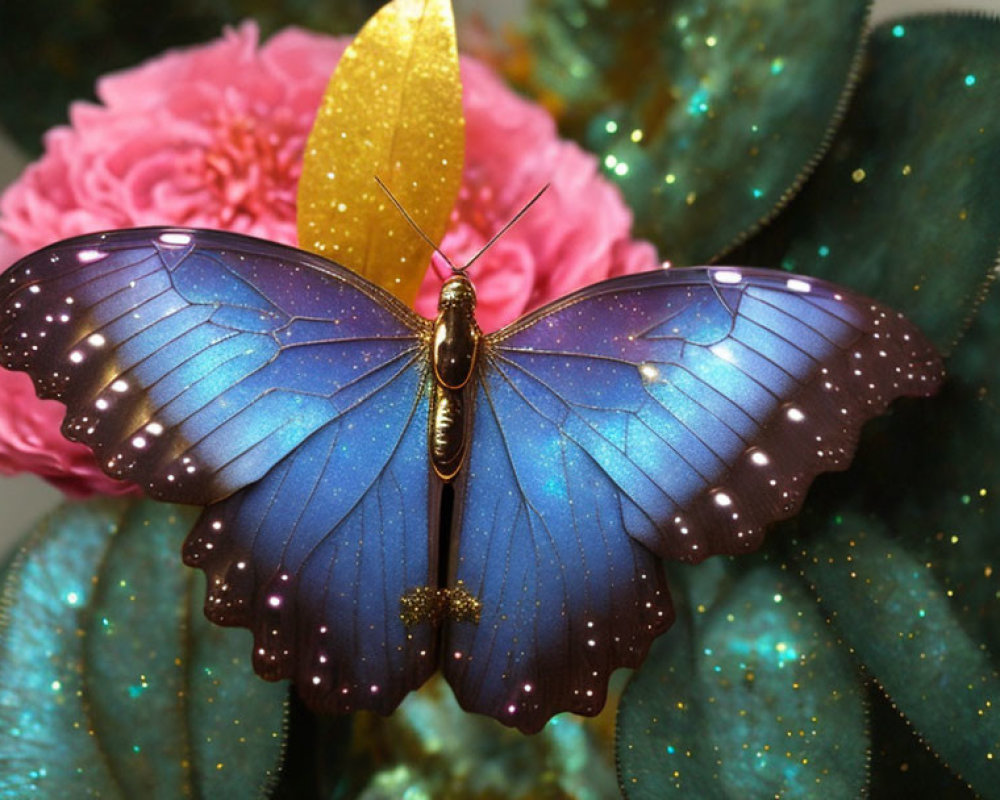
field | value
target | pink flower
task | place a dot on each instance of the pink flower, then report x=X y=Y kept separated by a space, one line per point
x=212 y=136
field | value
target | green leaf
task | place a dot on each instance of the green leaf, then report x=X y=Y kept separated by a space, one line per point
x=906 y=205
x=748 y=697
x=900 y=622
x=707 y=115
x=901 y=765
x=111 y=681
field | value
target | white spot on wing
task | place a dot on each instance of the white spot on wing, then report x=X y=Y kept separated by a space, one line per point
x=728 y=276
x=175 y=238
x=795 y=414
x=90 y=256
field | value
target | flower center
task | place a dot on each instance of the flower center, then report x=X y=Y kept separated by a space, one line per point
x=252 y=166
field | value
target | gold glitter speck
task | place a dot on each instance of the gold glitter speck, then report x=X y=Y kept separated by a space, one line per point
x=430 y=604
x=463 y=606
x=422 y=604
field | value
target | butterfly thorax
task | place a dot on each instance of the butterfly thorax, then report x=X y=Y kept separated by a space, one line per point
x=454 y=346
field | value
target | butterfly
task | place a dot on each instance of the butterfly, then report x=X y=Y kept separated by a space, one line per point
x=386 y=495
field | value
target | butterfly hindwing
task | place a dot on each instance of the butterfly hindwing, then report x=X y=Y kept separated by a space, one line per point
x=565 y=595
x=194 y=361
x=675 y=412
x=316 y=557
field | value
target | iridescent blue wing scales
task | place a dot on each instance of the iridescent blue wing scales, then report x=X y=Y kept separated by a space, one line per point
x=673 y=413
x=199 y=364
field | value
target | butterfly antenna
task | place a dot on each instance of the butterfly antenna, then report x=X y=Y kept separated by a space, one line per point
x=506 y=227
x=414 y=225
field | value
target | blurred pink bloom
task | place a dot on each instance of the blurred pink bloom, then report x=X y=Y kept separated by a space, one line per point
x=212 y=136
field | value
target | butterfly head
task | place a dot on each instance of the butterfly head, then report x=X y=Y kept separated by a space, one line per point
x=457 y=292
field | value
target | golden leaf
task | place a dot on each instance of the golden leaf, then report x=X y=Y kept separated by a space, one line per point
x=392 y=109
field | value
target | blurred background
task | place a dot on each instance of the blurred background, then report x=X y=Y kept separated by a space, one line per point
x=44 y=32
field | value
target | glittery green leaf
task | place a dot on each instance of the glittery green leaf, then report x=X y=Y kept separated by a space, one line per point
x=749 y=696
x=707 y=115
x=111 y=682
x=901 y=765
x=906 y=205
x=46 y=749
x=901 y=623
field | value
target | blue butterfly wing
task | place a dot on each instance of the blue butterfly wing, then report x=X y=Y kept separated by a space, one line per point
x=673 y=413
x=199 y=363
x=193 y=361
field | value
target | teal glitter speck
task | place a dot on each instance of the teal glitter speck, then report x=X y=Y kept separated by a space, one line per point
x=698 y=104
x=823 y=251
x=970 y=80
x=898 y=31
x=757 y=193
x=777 y=66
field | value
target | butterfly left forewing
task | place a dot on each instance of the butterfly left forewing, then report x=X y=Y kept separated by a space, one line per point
x=193 y=361
x=674 y=413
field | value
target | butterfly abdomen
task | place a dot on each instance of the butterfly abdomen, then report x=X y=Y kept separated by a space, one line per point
x=455 y=345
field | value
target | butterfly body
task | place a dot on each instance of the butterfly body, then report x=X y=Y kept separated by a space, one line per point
x=454 y=350
x=668 y=414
